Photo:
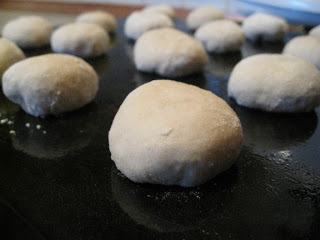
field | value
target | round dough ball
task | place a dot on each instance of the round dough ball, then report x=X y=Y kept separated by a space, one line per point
x=178 y=134
x=10 y=53
x=203 y=15
x=140 y=22
x=81 y=39
x=28 y=31
x=275 y=83
x=265 y=27
x=169 y=52
x=305 y=47
x=163 y=9
x=220 y=36
x=315 y=32
x=103 y=19
x=50 y=84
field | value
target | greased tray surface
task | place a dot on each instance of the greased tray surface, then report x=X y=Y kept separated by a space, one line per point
x=57 y=180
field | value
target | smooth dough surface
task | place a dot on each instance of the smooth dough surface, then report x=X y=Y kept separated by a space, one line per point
x=10 y=53
x=50 y=84
x=172 y=133
x=81 y=39
x=163 y=9
x=169 y=52
x=315 y=32
x=305 y=47
x=140 y=22
x=265 y=27
x=103 y=19
x=275 y=83
x=203 y=15
x=28 y=31
x=220 y=36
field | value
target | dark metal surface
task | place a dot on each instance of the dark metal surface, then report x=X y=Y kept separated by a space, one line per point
x=60 y=181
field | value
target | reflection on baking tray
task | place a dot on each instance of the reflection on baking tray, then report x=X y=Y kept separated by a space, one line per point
x=222 y=64
x=173 y=209
x=37 y=137
x=249 y=48
x=272 y=131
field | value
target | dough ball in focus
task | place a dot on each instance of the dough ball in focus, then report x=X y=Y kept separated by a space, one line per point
x=28 y=31
x=172 y=133
x=275 y=83
x=103 y=19
x=265 y=27
x=169 y=52
x=220 y=36
x=10 y=53
x=140 y=22
x=305 y=47
x=81 y=39
x=50 y=84
x=203 y=15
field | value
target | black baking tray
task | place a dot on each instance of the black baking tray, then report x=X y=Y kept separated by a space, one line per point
x=57 y=180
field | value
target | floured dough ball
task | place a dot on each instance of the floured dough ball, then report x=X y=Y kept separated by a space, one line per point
x=140 y=22
x=315 y=32
x=10 y=53
x=169 y=52
x=28 y=31
x=265 y=27
x=275 y=83
x=50 y=84
x=163 y=9
x=203 y=15
x=305 y=47
x=103 y=19
x=220 y=36
x=178 y=134
x=80 y=39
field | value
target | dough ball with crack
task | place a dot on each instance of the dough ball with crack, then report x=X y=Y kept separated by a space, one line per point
x=80 y=39
x=50 y=84
x=202 y=15
x=103 y=19
x=178 y=134
x=169 y=52
x=28 y=31
x=275 y=83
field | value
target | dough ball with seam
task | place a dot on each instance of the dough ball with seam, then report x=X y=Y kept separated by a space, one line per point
x=50 y=84
x=163 y=9
x=265 y=27
x=81 y=39
x=28 y=31
x=220 y=36
x=10 y=53
x=305 y=47
x=140 y=22
x=177 y=134
x=169 y=52
x=315 y=32
x=202 y=15
x=275 y=83
x=103 y=19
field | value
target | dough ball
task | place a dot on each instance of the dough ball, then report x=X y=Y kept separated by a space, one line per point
x=140 y=22
x=169 y=52
x=315 y=32
x=10 y=53
x=265 y=27
x=220 y=36
x=163 y=9
x=172 y=133
x=275 y=83
x=28 y=31
x=203 y=15
x=305 y=47
x=103 y=19
x=80 y=39
x=50 y=84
